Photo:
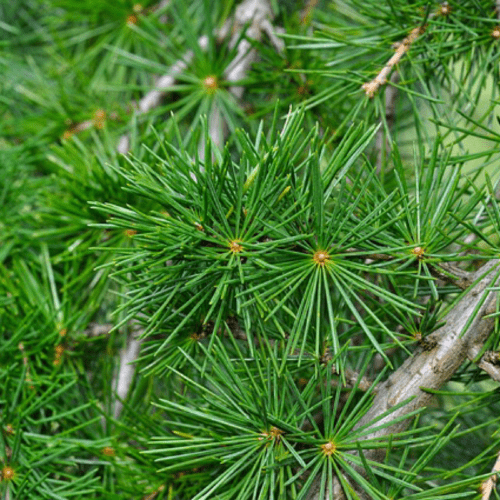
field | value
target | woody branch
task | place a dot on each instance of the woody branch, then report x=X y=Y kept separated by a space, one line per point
x=466 y=327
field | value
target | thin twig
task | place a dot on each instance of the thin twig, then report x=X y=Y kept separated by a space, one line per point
x=383 y=144
x=154 y=97
x=465 y=326
x=445 y=271
x=97 y=329
x=402 y=48
x=257 y=14
x=489 y=361
x=253 y=17
x=488 y=485
x=98 y=120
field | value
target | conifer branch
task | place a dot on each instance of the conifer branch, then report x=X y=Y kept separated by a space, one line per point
x=153 y=98
x=126 y=370
x=253 y=17
x=402 y=48
x=488 y=485
x=270 y=367
x=97 y=329
x=257 y=14
x=391 y=95
x=427 y=370
x=488 y=362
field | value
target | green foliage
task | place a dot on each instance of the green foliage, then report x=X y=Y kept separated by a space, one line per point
x=274 y=246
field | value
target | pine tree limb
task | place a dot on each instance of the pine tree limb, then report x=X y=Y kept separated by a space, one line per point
x=126 y=371
x=257 y=14
x=253 y=17
x=488 y=485
x=153 y=98
x=431 y=369
x=401 y=48
x=488 y=362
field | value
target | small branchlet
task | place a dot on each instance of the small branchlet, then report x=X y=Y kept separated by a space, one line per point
x=488 y=485
x=402 y=48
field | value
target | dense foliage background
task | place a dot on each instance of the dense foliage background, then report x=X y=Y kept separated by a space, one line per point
x=228 y=230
